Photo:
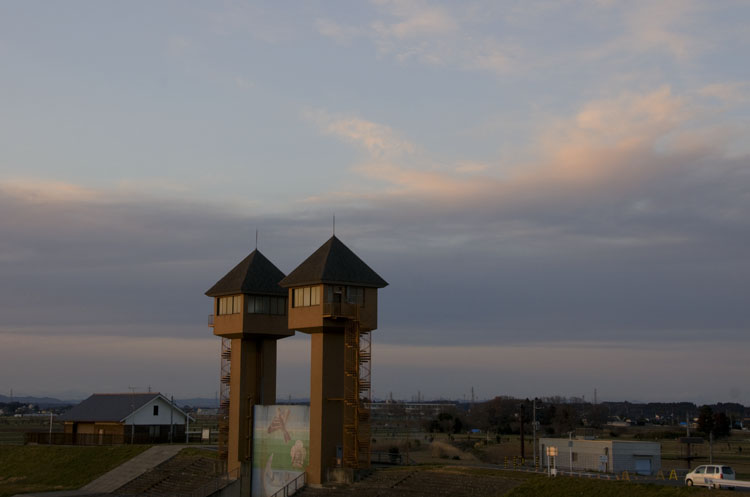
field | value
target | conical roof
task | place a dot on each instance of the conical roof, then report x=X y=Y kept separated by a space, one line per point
x=255 y=274
x=334 y=263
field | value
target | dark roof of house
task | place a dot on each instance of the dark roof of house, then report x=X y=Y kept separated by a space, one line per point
x=333 y=263
x=108 y=406
x=255 y=274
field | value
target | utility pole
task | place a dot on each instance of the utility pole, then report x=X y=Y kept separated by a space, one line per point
x=533 y=428
x=171 y=419
x=523 y=448
x=50 y=427
x=570 y=451
x=132 y=409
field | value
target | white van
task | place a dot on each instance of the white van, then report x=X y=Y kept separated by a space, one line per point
x=709 y=474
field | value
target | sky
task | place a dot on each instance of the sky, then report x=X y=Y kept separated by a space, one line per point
x=558 y=192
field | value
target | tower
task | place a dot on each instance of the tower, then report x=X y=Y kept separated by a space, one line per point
x=333 y=296
x=250 y=315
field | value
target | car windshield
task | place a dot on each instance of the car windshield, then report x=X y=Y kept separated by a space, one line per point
x=727 y=470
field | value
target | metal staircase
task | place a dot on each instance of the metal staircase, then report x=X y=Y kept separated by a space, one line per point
x=357 y=395
x=225 y=377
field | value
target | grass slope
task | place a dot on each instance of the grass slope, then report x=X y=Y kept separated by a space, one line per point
x=38 y=468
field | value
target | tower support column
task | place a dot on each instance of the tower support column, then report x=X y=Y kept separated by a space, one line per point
x=326 y=403
x=252 y=381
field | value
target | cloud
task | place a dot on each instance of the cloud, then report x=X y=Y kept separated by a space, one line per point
x=417 y=30
x=341 y=33
x=513 y=40
x=598 y=236
x=469 y=167
x=734 y=92
x=43 y=191
x=377 y=139
x=243 y=83
x=415 y=18
x=670 y=28
x=615 y=234
x=657 y=26
x=177 y=46
x=608 y=143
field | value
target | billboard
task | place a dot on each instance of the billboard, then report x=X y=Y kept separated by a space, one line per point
x=281 y=446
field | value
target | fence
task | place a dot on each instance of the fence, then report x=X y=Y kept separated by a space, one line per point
x=46 y=438
x=292 y=487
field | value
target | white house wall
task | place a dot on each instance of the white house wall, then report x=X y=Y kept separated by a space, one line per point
x=626 y=454
x=587 y=454
x=620 y=455
x=145 y=415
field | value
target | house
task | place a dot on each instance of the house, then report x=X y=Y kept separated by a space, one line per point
x=105 y=419
x=606 y=456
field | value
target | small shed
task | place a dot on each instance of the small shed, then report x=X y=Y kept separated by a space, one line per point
x=606 y=456
x=104 y=419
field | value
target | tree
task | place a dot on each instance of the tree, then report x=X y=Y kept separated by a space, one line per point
x=565 y=419
x=722 y=427
x=706 y=419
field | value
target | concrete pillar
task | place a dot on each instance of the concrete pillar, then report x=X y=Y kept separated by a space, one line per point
x=326 y=402
x=252 y=381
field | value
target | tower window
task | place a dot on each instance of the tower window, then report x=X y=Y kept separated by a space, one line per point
x=348 y=294
x=355 y=295
x=262 y=304
x=306 y=296
x=230 y=305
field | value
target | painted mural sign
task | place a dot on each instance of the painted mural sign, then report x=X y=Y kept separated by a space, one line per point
x=281 y=443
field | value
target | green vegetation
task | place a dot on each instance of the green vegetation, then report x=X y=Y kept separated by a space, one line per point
x=39 y=468
x=541 y=486
x=12 y=429
x=196 y=451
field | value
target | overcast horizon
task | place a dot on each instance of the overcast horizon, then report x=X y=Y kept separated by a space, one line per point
x=557 y=192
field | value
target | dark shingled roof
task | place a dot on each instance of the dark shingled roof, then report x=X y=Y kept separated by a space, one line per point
x=255 y=274
x=108 y=407
x=333 y=263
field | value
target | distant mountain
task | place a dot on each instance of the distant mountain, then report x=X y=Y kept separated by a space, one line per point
x=42 y=402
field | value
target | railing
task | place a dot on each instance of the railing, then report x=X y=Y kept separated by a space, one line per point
x=210 y=319
x=720 y=482
x=57 y=438
x=216 y=484
x=45 y=438
x=339 y=309
x=291 y=487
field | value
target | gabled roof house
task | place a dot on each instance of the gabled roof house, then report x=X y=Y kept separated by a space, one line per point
x=125 y=418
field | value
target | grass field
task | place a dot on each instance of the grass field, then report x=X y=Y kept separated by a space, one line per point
x=36 y=468
x=535 y=485
x=542 y=486
x=12 y=429
x=734 y=451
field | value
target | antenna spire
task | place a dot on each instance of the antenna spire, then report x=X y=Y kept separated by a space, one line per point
x=334 y=225
x=256 y=239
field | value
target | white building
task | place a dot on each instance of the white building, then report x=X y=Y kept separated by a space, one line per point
x=606 y=456
x=123 y=418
